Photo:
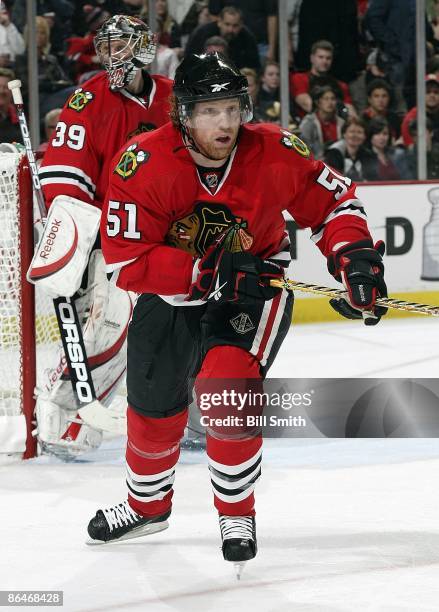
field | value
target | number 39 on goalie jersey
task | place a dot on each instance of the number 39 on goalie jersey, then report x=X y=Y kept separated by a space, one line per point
x=94 y=124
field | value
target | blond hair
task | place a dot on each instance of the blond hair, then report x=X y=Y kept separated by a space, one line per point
x=40 y=22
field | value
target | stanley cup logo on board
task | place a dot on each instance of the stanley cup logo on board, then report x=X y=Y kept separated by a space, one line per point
x=430 y=253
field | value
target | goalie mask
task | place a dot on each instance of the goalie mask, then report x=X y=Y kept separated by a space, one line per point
x=124 y=45
x=209 y=76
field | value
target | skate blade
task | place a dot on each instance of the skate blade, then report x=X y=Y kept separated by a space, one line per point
x=144 y=530
x=239 y=567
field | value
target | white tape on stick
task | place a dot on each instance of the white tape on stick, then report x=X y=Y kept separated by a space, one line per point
x=15 y=87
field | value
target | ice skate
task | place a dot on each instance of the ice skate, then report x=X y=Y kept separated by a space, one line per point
x=238 y=534
x=120 y=522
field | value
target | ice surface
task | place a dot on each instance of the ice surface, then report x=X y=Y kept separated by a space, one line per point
x=343 y=525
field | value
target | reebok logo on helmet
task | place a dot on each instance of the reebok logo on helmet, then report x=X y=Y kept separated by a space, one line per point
x=219 y=87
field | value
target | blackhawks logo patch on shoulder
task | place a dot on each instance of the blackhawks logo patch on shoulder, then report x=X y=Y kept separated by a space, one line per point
x=130 y=160
x=291 y=141
x=79 y=100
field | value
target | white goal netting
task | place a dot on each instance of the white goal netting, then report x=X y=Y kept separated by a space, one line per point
x=25 y=331
x=31 y=353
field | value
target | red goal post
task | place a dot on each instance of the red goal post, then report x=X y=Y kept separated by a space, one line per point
x=17 y=307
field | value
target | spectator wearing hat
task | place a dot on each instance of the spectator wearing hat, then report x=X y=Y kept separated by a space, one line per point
x=431 y=107
x=379 y=97
x=323 y=127
x=9 y=127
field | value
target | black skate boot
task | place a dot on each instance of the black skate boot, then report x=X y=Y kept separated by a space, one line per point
x=120 y=522
x=238 y=534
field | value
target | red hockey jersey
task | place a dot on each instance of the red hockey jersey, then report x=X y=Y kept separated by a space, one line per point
x=94 y=124
x=156 y=202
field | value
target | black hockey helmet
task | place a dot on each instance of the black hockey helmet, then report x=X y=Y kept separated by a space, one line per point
x=210 y=76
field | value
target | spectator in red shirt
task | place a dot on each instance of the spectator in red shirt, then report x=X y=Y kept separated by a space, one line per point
x=379 y=96
x=362 y=6
x=80 y=50
x=432 y=109
x=301 y=83
x=322 y=127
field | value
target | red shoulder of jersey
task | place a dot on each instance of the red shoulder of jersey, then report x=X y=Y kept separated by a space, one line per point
x=88 y=98
x=92 y=96
x=314 y=194
x=94 y=124
x=278 y=146
x=163 y=85
x=161 y=155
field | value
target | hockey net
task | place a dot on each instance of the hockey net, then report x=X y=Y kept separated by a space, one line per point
x=28 y=327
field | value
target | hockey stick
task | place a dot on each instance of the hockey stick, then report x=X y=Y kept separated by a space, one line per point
x=291 y=285
x=91 y=411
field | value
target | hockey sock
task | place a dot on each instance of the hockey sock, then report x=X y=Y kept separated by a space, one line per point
x=234 y=464
x=153 y=448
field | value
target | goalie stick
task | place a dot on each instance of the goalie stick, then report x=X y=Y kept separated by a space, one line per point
x=90 y=409
x=415 y=307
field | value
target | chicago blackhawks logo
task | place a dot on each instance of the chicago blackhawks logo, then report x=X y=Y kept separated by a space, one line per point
x=242 y=323
x=196 y=232
x=130 y=161
x=79 y=100
x=291 y=141
x=141 y=128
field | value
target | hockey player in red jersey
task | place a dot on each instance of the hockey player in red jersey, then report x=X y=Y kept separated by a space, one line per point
x=193 y=223
x=99 y=117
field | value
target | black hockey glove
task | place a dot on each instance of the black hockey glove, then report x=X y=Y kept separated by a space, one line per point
x=359 y=266
x=222 y=276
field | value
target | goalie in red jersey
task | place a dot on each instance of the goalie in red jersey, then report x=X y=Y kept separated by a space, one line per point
x=193 y=222
x=97 y=119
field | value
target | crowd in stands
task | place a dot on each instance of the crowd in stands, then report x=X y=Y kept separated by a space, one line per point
x=352 y=68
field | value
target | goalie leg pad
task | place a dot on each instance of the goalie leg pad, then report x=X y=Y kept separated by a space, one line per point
x=105 y=312
x=62 y=254
x=61 y=432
